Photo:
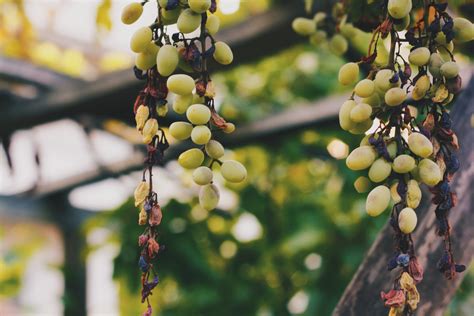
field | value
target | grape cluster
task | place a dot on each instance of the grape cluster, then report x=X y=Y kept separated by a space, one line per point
x=177 y=64
x=404 y=104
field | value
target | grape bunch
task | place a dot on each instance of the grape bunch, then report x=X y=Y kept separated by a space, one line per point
x=404 y=103
x=176 y=65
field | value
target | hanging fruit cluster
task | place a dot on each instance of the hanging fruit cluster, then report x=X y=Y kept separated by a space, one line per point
x=413 y=142
x=177 y=63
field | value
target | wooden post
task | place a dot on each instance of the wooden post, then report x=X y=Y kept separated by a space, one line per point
x=362 y=295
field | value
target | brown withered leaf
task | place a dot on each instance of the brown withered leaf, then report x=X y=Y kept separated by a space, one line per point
x=429 y=122
x=436 y=146
x=155 y=216
x=454 y=141
x=217 y=120
x=153 y=247
x=441 y=164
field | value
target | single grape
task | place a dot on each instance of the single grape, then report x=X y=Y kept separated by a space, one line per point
x=435 y=64
x=419 y=56
x=407 y=220
x=429 y=172
x=170 y=16
x=361 y=128
x=449 y=69
x=338 y=45
x=229 y=128
x=304 y=26
x=382 y=80
x=223 y=54
x=180 y=84
x=199 y=6
x=214 y=149
x=348 y=74
x=374 y=100
x=362 y=184
x=413 y=194
x=364 y=88
x=198 y=114
x=141 y=39
x=395 y=96
x=463 y=30
x=188 y=21
x=202 y=175
x=167 y=60
x=145 y=61
x=399 y=9
x=131 y=13
x=233 y=171
x=212 y=24
x=191 y=158
x=377 y=200
x=209 y=197
x=403 y=164
x=420 y=145
x=392 y=149
x=403 y=24
x=361 y=112
x=318 y=37
x=181 y=130
x=344 y=115
x=319 y=17
x=380 y=170
x=361 y=158
x=201 y=134
x=182 y=102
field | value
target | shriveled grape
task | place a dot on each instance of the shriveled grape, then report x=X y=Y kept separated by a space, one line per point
x=413 y=194
x=394 y=193
x=198 y=114
x=422 y=86
x=149 y=130
x=377 y=200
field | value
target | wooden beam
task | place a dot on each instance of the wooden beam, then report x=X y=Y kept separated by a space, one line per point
x=361 y=296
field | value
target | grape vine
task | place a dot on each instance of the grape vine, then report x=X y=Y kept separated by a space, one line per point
x=413 y=142
x=177 y=63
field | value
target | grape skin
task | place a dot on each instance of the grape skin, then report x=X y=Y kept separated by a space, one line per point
x=201 y=134
x=209 y=197
x=181 y=130
x=361 y=158
x=167 y=60
x=377 y=200
x=348 y=74
x=198 y=114
x=180 y=84
x=233 y=171
x=407 y=220
x=202 y=175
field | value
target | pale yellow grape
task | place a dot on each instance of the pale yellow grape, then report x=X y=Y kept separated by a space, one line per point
x=435 y=64
x=403 y=164
x=419 y=56
x=318 y=37
x=380 y=170
x=170 y=16
x=394 y=193
x=345 y=115
x=202 y=175
x=223 y=54
x=198 y=114
x=364 y=88
x=180 y=84
x=413 y=194
x=402 y=24
x=188 y=21
x=191 y=158
x=199 y=6
x=141 y=39
x=374 y=100
x=182 y=102
x=395 y=96
x=420 y=145
x=422 y=86
x=149 y=130
x=361 y=112
x=338 y=44
x=362 y=184
x=167 y=60
x=399 y=9
x=209 y=197
x=429 y=172
x=229 y=128
x=348 y=30
x=212 y=24
x=143 y=112
x=361 y=128
x=131 y=13
x=201 y=134
x=145 y=61
x=304 y=26
x=377 y=200
x=392 y=149
x=214 y=149
x=407 y=220
x=361 y=158
x=162 y=110
x=348 y=74
x=233 y=171
x=463 y=30
x=181 y=130
x=449 y=69
x=319 y=17
x=382 y=80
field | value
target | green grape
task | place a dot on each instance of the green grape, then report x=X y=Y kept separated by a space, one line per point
x=201 y=134
x=170 y=16
x=429 y=172
x=403 y=164
x=392 y=149
x=449 y=69
x=167 y=60
x=362 y=184
x=401 y=25
x=145 y=61
x=197 y=99
x=214 y=149
x=223 y=54
x=361 y=112
x=348 y=30
x=422 y=86
x=398 y=9
x=209 y=197
x=463 y=30
x=131 y=13
x=374 y=100
x=319 y=17
x=382 y=80
x=212 y=24
x=420 y=145
x=348 y=74
x=338 y=45
x=435 y=64
x=361 y=158
x=415 y=173
x=413 y=194
x=141 y=39
x=419 y=56
x=233 y=171
x=377 y=200
x=395 y=96
x=380 y=170
x=407 y=220
x=199 y=6
x=229 y=128
x=344 y=115
x=304 y=26
x=364 y=88
x=191 y=158
x=181 y=130
x=182 y=102
x=180 y=84
x=318 y=37
x=202 y=175
x=361 y=128
x=188 y=21
x=394 y=193
x=198 y=114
